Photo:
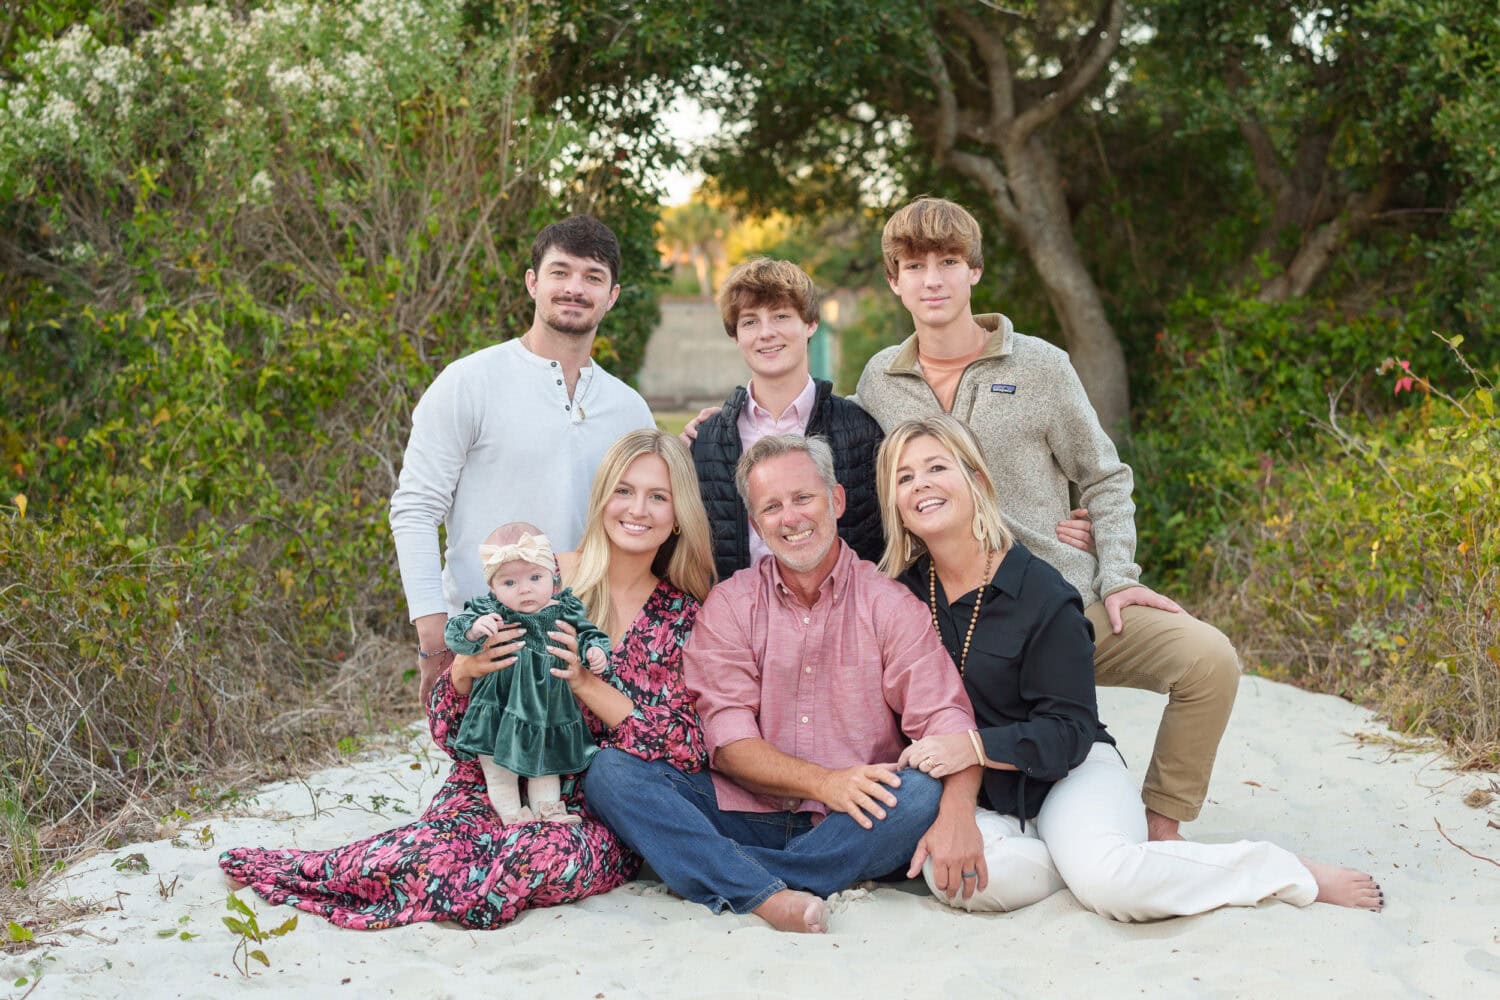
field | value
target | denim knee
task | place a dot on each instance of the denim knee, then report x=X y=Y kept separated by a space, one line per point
x=609 y=775
x=919 y=791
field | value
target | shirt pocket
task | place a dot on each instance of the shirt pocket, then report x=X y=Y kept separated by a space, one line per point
x=993 y=669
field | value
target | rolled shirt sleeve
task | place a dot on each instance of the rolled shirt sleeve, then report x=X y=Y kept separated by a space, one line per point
x=721 y=669
x=921 y=684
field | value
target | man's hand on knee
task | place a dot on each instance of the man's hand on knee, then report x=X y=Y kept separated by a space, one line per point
x=860 y=790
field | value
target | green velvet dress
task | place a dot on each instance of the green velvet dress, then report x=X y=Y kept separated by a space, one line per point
x=523 y=717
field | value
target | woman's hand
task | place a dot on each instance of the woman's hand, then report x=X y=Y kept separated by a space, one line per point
x=564 y=646
x=1077 y=530
x=500 y=654
x=940 y=756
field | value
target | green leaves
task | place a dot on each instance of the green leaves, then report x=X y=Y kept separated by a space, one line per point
x=246 y=926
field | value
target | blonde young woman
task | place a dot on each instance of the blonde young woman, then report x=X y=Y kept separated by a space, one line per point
x=1057 y=806
x=642 y=568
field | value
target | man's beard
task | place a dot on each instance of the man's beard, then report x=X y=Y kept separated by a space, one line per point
x=581 y=327
x=804 y=562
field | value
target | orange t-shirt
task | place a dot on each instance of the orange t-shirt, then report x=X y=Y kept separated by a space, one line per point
x=943 y=373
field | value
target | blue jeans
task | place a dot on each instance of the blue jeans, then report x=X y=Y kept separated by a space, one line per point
x=739 y=859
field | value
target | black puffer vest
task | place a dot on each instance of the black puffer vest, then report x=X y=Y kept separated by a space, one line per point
x=855 y=437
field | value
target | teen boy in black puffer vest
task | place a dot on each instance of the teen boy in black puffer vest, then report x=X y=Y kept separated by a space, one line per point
x=770 y=309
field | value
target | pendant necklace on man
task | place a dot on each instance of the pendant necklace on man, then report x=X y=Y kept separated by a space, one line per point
x=989 y=560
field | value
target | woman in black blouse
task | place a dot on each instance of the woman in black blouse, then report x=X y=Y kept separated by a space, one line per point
x=1057 y=806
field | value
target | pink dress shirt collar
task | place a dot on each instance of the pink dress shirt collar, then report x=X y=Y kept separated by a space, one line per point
x=756 y=422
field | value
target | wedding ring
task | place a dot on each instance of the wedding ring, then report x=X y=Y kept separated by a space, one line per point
x=972 y=874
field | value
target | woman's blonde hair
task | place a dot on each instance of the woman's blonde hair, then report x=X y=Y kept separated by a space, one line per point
x=685 y=559
x=902 y=548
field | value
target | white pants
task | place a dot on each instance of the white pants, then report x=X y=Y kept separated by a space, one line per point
x=1091 y=837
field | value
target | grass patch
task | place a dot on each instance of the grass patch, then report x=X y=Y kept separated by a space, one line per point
x=673 y=421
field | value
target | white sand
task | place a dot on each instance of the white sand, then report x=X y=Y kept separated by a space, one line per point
x=1289 y=770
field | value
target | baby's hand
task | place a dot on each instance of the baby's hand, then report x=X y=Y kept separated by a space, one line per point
x=597 y=658
x=489 y=625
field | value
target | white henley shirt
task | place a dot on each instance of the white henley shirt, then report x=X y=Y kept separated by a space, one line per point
x=495 y=438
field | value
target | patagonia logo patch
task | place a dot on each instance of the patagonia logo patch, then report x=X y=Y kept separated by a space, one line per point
x=1009 y=390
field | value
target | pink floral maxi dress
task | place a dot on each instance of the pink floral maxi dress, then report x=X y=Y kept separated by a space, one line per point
x=458 y=862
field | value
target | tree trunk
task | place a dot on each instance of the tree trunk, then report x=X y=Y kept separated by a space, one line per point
x=1024 y=182
x=701 y=265
x=1045 y=228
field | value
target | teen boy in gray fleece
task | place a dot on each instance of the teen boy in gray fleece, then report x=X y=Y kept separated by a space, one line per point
x=1026 y=406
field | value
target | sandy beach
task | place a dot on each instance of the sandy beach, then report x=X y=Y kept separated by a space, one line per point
x=1292 y=768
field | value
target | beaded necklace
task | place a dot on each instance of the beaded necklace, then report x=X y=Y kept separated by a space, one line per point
x=989 y=560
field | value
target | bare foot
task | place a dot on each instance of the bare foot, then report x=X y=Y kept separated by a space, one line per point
x=1159 y=827
x=798 y=912
x=1345 y=886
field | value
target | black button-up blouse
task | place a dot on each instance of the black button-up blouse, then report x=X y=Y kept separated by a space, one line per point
x=1030 y=675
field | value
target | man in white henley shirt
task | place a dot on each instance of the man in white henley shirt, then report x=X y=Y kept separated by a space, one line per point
x=512 y=432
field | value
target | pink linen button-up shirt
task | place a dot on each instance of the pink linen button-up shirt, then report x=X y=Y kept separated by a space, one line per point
x=844 y=682
x=756 y=422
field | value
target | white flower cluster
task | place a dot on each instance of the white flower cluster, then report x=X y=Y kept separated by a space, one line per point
x=217 y=73
x=66 y=83
x=258 y=191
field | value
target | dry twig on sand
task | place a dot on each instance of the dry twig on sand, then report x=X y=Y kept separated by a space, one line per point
x=1461 y=847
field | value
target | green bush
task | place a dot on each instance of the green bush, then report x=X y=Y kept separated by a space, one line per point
x=234 y=249
x=880 y=321
x=1238 y=389
x=1370 y=567
x=208 y=550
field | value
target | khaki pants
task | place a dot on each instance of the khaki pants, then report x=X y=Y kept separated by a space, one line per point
x=1193 y=664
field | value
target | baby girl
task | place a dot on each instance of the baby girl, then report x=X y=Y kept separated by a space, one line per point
x=524 y=721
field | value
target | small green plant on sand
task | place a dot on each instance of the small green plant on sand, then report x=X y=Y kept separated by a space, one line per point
x=133 y=863
x=246 y=927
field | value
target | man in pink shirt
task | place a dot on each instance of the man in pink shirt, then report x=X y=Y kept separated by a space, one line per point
x=812 y=672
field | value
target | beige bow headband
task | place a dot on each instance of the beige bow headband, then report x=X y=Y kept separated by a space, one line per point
x=535 y=549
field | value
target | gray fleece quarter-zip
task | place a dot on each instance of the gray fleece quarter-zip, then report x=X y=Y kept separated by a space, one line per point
x=1038 y=432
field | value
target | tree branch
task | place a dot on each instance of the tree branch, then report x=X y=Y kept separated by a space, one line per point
x=980 y=169
x=1270 y=172
x=947 y=110
x=987 y=174
x=996 y=68
x=1073 y=83
x=1320 y=247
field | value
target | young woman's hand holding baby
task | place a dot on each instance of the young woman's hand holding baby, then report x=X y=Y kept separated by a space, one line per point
x=498 y=654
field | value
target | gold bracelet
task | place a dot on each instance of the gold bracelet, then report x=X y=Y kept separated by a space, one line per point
x=978 y=747
x=423 y=654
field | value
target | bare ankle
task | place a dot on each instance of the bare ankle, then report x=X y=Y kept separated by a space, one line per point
x=1159 y=827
